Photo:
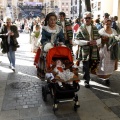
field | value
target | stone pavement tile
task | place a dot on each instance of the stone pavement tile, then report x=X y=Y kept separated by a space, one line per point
x=53 y=117
x=72 y=116
x=103 y=93
x=1 y=102
x=9 y=115
x=48 y=117
x=29 y=113
x=45 y=110
x=25 y=119
x=115 y=86
x=118 y=98
x=2 y=85
x=94 y=110
x=112 y=118
x=22 y=95
x=36 y=118
x=116 y=110
x=111 y=102
x=65 y=112
x=86 y=94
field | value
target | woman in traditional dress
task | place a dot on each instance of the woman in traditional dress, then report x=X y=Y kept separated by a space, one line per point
x=35 y=36
x=52 y=35
x=107 y=62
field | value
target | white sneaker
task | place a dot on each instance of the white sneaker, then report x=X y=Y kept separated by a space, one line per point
x=13 y=68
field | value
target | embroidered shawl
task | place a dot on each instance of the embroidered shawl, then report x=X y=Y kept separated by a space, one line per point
x=52 y=36
x=112 y=44
x=68 y=29
x=88 y=52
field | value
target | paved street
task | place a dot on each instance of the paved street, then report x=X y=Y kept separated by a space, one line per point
x=21 y=99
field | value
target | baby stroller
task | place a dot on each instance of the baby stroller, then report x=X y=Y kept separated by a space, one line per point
x=52 y=87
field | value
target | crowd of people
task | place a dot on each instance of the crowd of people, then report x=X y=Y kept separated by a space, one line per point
x=98 y=47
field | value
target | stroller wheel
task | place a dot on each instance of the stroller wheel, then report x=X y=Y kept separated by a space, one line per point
x=55 y=107
x=44 y=93
x=107 y=82
x=76 y=107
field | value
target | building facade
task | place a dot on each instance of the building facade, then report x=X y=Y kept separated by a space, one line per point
x=99 y=7
x=77 y=8
x=51 y=6
x=65 y=6
x=57 y=6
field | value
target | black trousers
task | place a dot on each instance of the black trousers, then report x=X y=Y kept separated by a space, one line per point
x=86 y=70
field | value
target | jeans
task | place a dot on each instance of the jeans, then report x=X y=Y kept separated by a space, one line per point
x=11 y=56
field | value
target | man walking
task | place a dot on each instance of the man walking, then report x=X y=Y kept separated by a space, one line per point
x=88 y=38
x=67 y=29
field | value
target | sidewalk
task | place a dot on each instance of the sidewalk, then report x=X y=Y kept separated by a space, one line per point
x=21 y=99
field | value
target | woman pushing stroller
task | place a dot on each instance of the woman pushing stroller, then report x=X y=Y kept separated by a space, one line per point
x=52 y=35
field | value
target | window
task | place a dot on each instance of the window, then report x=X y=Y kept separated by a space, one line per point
x=92 y=5
x=71 y=10
x=75 y=9
x=98 y=16
x=75 y=2
x=52 y=4
x=71 y=2
x=99 y=5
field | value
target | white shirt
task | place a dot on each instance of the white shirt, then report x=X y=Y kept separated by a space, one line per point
x=89 y=30
x=84 y=42
x=63 y=25
x=8 y=39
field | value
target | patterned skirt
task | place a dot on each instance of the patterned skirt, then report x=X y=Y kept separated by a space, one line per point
x=41 y=66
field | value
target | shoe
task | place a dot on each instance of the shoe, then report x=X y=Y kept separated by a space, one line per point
x=13 y=68
x=87 y=85
x=107 y=82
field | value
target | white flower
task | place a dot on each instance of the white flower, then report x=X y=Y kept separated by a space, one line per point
x=117 y=38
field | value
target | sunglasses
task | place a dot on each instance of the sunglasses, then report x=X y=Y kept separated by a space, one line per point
x=87 y=18
x=108 y=24
x=8 y=22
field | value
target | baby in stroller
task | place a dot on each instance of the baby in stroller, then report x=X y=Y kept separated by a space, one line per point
x=62 y=78
x=62 y=75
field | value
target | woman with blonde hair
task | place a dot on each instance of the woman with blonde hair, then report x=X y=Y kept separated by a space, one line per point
x=9 y=33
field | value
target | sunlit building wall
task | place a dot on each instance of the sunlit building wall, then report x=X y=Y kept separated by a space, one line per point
x=65 y=6
x=2 y=9
x=99 y=7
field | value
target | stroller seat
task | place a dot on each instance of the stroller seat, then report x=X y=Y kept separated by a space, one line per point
x=52 y=86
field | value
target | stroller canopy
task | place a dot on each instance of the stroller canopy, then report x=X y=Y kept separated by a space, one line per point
x=58 y=52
